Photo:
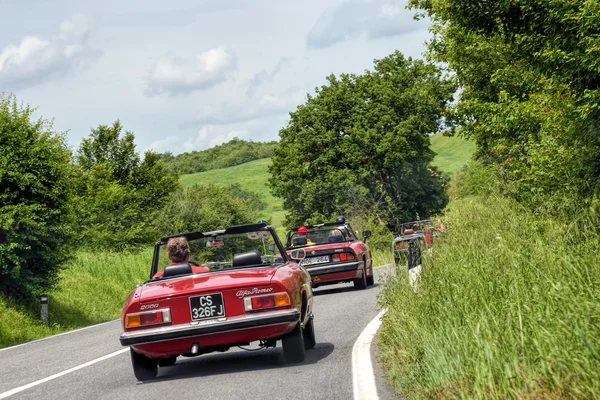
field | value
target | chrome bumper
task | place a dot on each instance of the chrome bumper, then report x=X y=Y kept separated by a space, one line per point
x=248 y=321
x=330 y=269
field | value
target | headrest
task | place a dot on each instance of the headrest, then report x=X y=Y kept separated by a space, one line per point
x=248 y=258
x=299 y=241
x=336 y=239
x=177 y=269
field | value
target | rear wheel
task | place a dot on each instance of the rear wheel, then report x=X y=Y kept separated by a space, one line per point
x=371 y=280
x=361 y=283
x=293 y=345
x=144 y=368
x=309 y=334
x=167 y=362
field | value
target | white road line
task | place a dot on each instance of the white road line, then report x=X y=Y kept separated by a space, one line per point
x=58 y=375
x=58 y=334
x=363 y=379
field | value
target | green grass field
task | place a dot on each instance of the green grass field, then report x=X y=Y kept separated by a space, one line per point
x=507 y=307
x=452 y=152
x=251 y=176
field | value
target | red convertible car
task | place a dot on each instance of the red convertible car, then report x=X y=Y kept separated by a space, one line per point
x=334 y=253
x=227 y=292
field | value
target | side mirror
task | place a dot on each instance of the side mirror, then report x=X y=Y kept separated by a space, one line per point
x=298 y=254
x=366 y=234
x=272 y=247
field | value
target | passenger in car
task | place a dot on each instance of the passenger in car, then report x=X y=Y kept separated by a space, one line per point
x=303 y=233
x=178 y=251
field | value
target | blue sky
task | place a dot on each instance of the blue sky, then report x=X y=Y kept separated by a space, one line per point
x=187 y=75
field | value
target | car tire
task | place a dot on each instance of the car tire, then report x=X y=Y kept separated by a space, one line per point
x=293 y=345
x=144 y=368
x=309 y=334
x=361 y=283
x=371 y=280
x=167 y=362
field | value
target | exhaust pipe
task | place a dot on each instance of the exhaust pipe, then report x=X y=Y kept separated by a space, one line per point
x=195 y=349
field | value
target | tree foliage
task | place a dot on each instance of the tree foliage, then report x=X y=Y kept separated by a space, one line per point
x=234 y=152
x=35 y=195
x=365 y=136
x=118 y=194
x=531 y=97
x=206 y=208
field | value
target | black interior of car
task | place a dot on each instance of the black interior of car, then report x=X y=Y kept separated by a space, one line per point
x=336 y=239
x=248 y=258
x=299 y=241
x=177 y=269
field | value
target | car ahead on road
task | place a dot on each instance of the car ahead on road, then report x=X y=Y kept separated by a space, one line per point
x=421 y=232
x=230 y=293
x=334 y=253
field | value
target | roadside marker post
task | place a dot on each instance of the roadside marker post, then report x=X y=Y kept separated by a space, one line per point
x=44 y=308
x=414 y=263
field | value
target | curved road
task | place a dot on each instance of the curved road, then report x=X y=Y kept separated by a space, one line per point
x=341 y=314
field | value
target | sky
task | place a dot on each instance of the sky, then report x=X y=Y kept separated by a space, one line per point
x=186 y=75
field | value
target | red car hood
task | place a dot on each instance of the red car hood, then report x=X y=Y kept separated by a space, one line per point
x=207 y=281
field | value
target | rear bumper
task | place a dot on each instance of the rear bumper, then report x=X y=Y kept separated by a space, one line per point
x=248 y=321
x=332 y=269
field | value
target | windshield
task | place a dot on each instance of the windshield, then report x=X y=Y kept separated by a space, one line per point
x=217 y=252
x=317 y=236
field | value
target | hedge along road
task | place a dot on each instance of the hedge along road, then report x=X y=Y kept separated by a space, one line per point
x=91 y=363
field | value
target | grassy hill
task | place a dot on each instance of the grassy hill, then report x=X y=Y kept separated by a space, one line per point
x=452 y=153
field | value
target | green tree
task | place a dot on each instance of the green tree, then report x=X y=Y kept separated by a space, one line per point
x=365 y=136
x=531 y=98
x=34 y=200
x=118 y=194
x=106 y=146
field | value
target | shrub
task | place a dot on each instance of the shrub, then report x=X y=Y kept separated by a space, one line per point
x=34 y=200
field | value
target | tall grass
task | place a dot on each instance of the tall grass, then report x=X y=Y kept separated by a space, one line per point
x=508 y=306
x=91 y=290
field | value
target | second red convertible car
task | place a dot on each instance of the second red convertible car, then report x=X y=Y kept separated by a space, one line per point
x=334 y=253
x=227 y=292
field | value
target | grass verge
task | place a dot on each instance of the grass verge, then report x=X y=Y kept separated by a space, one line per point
x=92 y=290
x=508 y=307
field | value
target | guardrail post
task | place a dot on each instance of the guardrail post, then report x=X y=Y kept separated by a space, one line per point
x=44 y=308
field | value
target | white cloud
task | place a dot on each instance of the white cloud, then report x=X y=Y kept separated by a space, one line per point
x=35 y=60
x=173 y=75
x=355 y=18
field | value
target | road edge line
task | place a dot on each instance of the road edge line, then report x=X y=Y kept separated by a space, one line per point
x=58 y=334
x=59 y=374
x=363 y=378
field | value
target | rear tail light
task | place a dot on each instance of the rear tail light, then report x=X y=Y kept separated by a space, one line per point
x=155 y=317
x=337 y=257
x=267 y=301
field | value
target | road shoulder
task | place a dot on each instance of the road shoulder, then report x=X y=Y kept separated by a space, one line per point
x=385 y=390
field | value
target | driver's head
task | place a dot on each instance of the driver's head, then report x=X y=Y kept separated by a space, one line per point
x=302 y=231
x=178 y=249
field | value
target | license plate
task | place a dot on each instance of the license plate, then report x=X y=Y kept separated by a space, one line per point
x=207 y=306
x=315 y=260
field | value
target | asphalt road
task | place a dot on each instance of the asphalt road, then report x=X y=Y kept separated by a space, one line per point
x=341 y=313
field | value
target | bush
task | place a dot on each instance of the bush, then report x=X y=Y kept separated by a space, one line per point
x=34 y=201
x=205 y=208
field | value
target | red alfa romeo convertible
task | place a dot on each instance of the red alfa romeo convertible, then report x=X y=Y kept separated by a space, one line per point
x=230 y=291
